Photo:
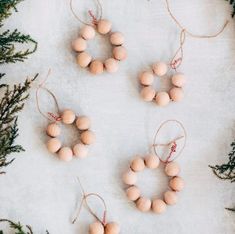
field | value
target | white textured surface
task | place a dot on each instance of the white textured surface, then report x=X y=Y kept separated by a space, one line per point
x=42 y=191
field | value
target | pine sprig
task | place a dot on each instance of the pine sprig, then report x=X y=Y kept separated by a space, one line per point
x=232 y=2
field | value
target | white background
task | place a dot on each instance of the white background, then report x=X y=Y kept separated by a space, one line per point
x=41 y=191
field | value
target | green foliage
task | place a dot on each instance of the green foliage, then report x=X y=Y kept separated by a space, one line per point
x=232 y=2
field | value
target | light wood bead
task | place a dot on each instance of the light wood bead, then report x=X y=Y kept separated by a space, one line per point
x=79 y=45
x=104 y=26
x=178 y=80
x=80 y=151
x=146 y=78
x=53 y=130
x=143 y=204
x=176 y=94
x=88 y=32
x=158 y=206
x=177 y=183
x=160 y=69
x=83 y=123
x=68 y=117
x=133 y=193
x=112 y=228
x=162 y=99
x=88 y=137
x=65 y=154
x=129 y=178
x=84 y=59
x=137 y=164
x=111 y=65
x=53 y=145
x=170 y=198
x=117 y=38
x=148 y=94
x=96 y=67
x=96 y=228
x=172 y=169
x=119 y=53
x=152 y=161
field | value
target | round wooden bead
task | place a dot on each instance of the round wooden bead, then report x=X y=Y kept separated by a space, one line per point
x=96 y=228
x=158 y=206
x=112 y=228
x=117 y=38
x=162 y=99
x=53 y=145
x=143 y=204
x=152 y=161
x=88 y=32
x=137 y=164
x=104 y=26
x=68 y=117
x=88 y=137
x=84 y=59
x=177 y=183
x=79 y=44
x=129 y=178
x=119 y=53
x=146 y=78
x=80 y=150
x=53 y=130
x=65 y=154
x=83 y=123
x=160 y=69
x=111 y=65
x=178 y=80
x=148 y=94
x=96 y=67
x=176 y=94
x=172 y=169
x=133 y=193
x=170 y=197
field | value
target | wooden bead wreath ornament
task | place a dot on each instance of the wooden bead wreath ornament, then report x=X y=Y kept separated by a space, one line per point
x=152 y=161
x=162 y=69
x=100 y=226
x=103 y=27
x=66 y=117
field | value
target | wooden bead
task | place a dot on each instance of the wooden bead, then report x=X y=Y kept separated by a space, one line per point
x=88 y=137
x=96 y=67
x=158 y=206
x=84 y=59
x=65 y=154
x=88 y=32
x=143 y=204
x=79 y=44
x=53 y=145
x=133 y=193
x=152 y=161
x=162 y=99
x=137 y=164
x=111 y=65
x=172 y=169
x=112 y=228
x=119 y=53
x=176 y=94
x=104 y=26
x=170 y=197
x=83 y=123
x=148 y=94
x=117 y=38
x=160 y=69
x=146 y=78
x=177 y=184
x=53 y=130
x=129 y=178
x=178 y=80
x=68 y=117
x=96 y=228
x=80 y=151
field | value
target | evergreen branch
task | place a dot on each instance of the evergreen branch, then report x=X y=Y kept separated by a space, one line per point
x=232 y=3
